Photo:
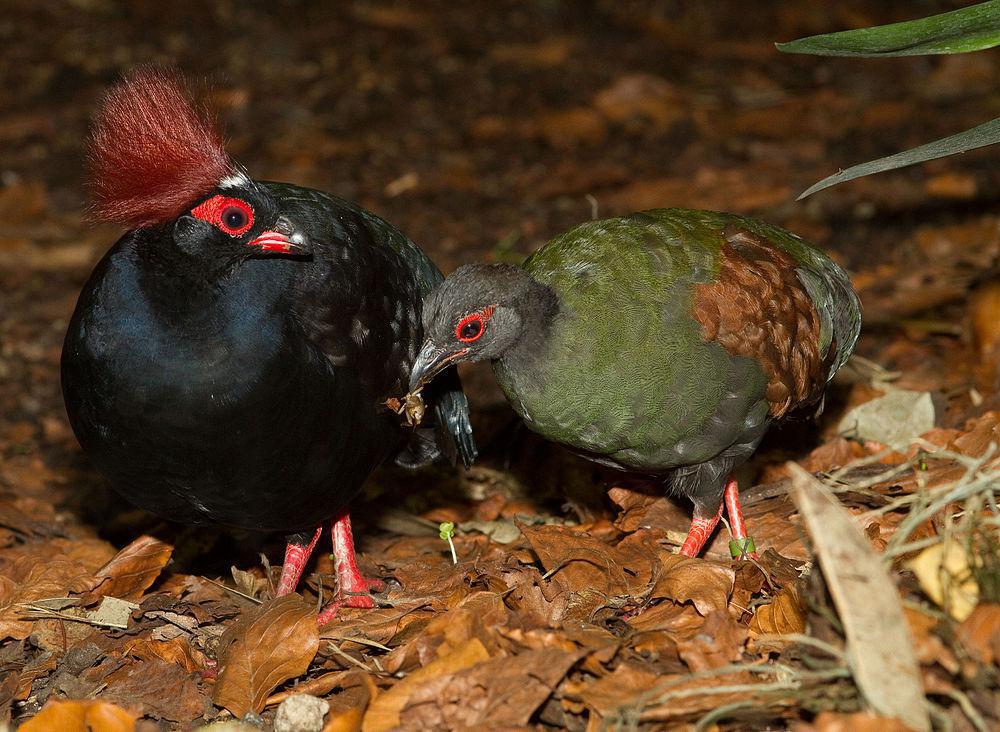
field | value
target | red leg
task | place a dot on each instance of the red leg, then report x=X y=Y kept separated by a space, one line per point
x=352 y=587
x=737 y=525
x=296 y=556
x=701 y=529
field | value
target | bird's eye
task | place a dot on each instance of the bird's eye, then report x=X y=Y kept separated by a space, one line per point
x=234 y=218
x=471 y=327
x=231 y=215
x=471 y=330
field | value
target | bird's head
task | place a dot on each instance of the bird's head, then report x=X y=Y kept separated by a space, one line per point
x=480 y=312
x=157 y=160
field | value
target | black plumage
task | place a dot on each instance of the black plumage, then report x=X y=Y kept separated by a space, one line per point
x=230 y=365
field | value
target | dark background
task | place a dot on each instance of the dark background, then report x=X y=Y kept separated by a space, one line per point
x=481 y=129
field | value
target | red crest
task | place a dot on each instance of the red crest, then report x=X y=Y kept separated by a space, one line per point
x=153 y=151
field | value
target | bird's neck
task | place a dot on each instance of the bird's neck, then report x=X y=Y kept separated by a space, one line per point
x=176 y=283
x=538 y=307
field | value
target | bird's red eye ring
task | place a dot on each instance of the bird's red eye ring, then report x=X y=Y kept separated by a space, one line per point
x=472 y=326
x=231 y=215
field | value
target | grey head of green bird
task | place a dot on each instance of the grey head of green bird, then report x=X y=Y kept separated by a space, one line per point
x=483 y=312
x=664 y=342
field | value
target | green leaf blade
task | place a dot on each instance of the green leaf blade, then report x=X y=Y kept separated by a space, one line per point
x=985 y=134
x=959 y=31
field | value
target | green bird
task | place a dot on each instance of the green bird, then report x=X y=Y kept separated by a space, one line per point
x=663 y=342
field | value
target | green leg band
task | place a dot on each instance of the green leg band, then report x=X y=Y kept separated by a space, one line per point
x=741 y=547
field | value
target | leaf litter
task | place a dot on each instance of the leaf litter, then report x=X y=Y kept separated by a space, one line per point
x=568 y=606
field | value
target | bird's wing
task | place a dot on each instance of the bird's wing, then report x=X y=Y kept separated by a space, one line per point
x=777 y=300
x=450 y=406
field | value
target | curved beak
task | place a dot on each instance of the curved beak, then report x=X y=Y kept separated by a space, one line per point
x=430 y=362
x=284 y=238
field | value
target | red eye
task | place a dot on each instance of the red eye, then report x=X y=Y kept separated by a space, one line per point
x=471 y=327
x=232 y=215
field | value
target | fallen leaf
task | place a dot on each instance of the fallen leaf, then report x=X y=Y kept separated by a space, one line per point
x=855 y=722
x=878 y=640
x=112 y=613
x=501 y=693
x=704 y=583
x=550 y=52
x=385 y=710
x=80 y=716
x=946 y=576
x=980 y=632
x=347 y=708
x=642 y=95
x=268 y=645
x=895 y=419
x=131 y=571
x=717 y=643
x=156 y=689
x=33 y=578
x=785 y=614
x=176 y=650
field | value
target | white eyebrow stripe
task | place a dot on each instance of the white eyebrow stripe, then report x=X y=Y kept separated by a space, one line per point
x=233 y=181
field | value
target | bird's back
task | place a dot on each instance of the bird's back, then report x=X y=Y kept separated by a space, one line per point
x=681 y=334
x=387 y=329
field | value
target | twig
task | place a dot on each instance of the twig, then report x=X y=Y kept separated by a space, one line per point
x=244 y=595
x=351 y=659
x=319 y=686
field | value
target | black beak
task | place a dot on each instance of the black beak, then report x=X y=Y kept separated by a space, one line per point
x=430 y=362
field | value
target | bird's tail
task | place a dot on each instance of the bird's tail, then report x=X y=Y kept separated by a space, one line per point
x=451 y=435
x=839 y=310
x=454 y=432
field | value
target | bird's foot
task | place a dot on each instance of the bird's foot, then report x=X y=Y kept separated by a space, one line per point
x=701 y=529
x=297 y=556
x=353 y=588
x=357 y=595
x=741 y=546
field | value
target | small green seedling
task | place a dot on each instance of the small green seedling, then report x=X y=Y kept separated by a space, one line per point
x=446 y=532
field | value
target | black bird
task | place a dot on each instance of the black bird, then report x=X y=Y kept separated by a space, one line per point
x=229 y=358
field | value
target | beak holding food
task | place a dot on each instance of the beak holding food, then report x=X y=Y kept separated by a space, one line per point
x=431 y=361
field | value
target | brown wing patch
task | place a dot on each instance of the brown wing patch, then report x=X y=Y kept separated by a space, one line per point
x=758 y=308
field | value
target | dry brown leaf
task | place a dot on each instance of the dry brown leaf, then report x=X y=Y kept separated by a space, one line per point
x=35 y=669
x=552 y=51
x=609 y=693
x=673 y=619
x=927 y=644
x=131 y=571
x=176 y=650
x=856 y=722
x=705 y=584
x=980 y=632
x=500 y=693
x=785 y=614
x=156 y=689
x=384 y=711
x=33 y=578
x=576 y=560
x=719 y=642
x=642 y=95
x=347 y=708
x=80 y=716
x=978 y=434
x=268 y=645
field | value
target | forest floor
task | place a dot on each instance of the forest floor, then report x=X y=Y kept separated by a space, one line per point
x=481 y=129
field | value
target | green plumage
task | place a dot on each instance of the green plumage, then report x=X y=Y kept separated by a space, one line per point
x=625 y=375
